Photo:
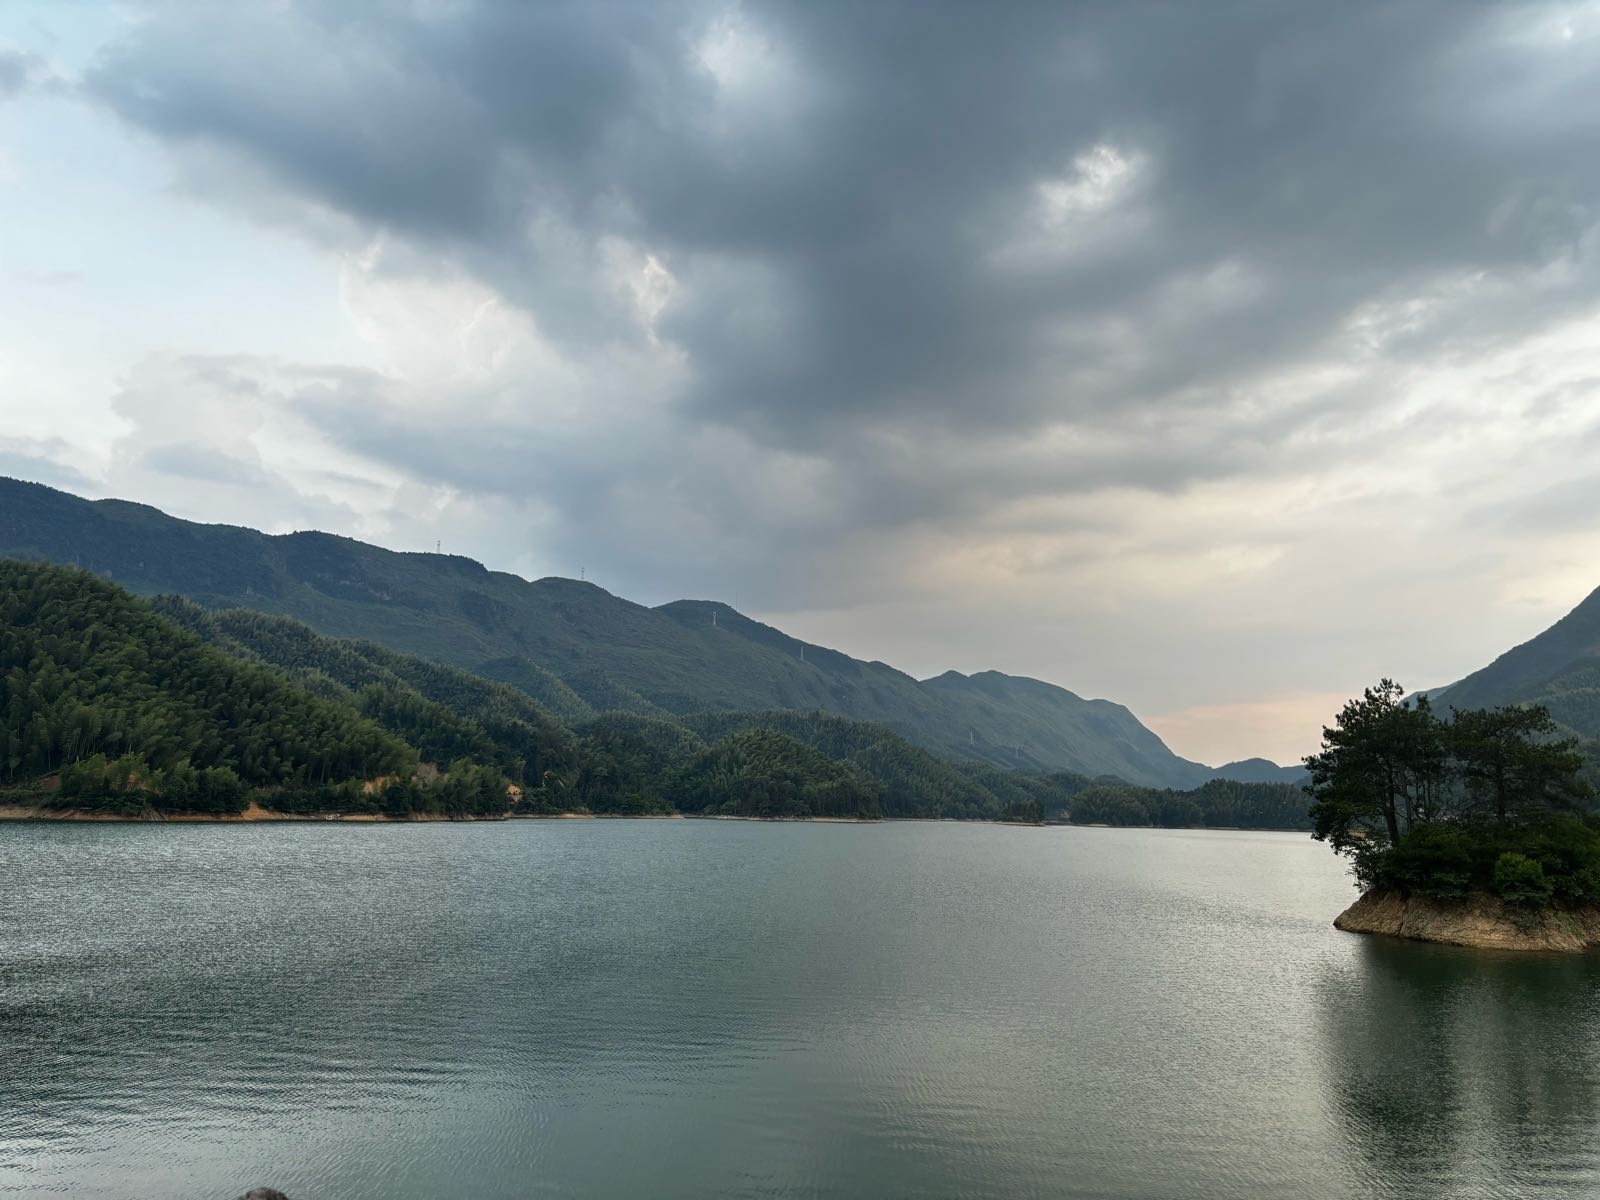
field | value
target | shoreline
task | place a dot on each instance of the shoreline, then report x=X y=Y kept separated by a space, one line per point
x=801 y=820
x=257 y=814
x=1478 y=921
x=253 y=815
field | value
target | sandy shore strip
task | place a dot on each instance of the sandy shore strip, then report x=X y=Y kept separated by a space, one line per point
x=256 y=813
x=791 y=820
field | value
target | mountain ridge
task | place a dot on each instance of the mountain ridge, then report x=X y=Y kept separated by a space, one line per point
x=1558 y=668
x=573 y=645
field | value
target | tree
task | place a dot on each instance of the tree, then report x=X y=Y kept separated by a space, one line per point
x=1512 y=766
x=1488 y=800
x=1381 y=770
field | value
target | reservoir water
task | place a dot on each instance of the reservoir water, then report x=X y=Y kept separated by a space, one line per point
x=703 y=1009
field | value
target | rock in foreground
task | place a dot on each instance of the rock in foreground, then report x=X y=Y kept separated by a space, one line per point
x=1481 y=920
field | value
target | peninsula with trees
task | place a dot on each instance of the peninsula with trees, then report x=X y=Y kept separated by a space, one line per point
x=1474 y=827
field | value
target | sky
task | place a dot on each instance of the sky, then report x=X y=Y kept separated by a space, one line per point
x=1215 y=359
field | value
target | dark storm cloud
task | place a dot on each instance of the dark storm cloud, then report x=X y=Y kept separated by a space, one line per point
x=888 y=222
x=18 y=69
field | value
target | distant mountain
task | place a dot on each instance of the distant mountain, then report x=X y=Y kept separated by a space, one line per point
x=1560 y=668
x=577 y=648
x=616 y=762
x=1259 y=770
x=128 y=707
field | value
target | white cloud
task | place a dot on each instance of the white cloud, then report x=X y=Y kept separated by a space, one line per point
x=1102 y=177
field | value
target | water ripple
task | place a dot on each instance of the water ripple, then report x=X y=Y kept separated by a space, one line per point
x=728 y=1009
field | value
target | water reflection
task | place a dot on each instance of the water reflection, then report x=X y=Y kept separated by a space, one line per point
x=1464 y=1073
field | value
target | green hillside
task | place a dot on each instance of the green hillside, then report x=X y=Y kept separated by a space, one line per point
x=1560 y=669
x=114 y=704
x=998 y=707
x=130 y=705
x=940 y=788
x=763 y=773
x=573 y=646
x=444 y=712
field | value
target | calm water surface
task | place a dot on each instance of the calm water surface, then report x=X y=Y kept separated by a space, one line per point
x=696 y=1009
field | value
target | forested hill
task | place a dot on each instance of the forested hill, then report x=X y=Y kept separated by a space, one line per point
x=576 y=648
x=1560 y=669
x=100 y=695
x=445 y=713
x=114 y=702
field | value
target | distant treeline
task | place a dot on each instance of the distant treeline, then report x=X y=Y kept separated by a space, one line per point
x=1218 y=803
x=114 y=703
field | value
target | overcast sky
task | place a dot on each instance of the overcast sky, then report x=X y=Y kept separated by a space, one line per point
x=1216 y=359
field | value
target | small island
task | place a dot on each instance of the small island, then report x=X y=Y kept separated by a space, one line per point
x=1472 y=830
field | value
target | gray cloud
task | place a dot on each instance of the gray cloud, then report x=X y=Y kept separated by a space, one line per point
x=202 y=464
x=834 y=228
x=833 y=222
x=810 y=290
x=41 y=460
x=18 y=69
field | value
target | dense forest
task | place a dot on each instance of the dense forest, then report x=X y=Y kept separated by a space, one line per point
x=124 y=708
x=116 y=703
x=1488 y=800
x=447 y=714
x=1219 y=803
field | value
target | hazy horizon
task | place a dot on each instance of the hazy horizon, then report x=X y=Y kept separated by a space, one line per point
x=1214 y=365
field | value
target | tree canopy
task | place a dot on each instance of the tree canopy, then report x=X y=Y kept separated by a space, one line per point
x=1488 y=799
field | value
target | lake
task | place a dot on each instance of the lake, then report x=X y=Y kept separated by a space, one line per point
x=703 y=1008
